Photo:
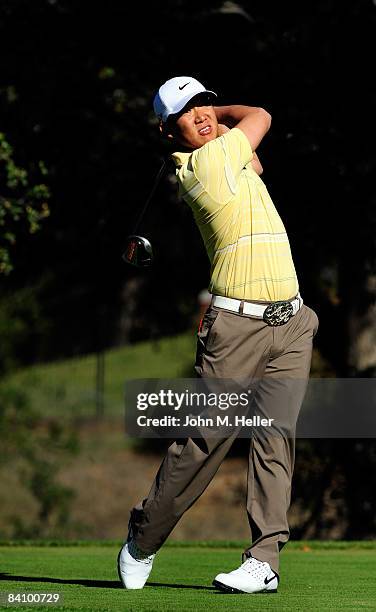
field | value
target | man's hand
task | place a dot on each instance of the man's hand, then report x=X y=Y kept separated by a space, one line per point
x=256 y=165
x=254 y=122
x=222 y=129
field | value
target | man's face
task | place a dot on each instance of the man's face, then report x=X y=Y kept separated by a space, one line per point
x=196 y=124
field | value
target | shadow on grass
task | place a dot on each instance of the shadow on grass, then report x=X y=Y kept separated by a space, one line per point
x=101 y=584
x=181 y=586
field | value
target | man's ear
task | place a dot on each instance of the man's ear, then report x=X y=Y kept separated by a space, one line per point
x=165 y=131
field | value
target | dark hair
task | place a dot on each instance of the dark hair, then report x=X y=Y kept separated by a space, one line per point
x=201 y=99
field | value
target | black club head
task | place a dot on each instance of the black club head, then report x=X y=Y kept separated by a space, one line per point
x=138 y=252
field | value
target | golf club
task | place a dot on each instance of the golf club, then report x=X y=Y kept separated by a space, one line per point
x=138 y=250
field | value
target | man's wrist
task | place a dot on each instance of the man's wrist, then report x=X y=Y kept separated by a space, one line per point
x=233 y=114
x=223 y=114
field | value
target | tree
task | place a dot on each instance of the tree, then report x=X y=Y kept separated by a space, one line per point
x=22 y=205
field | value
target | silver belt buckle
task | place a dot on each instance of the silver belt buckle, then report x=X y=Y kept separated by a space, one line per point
x=278 y=313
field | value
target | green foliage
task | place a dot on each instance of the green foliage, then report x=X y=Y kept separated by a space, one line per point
x=35 y=449
x=21 y=203
x=20 y=321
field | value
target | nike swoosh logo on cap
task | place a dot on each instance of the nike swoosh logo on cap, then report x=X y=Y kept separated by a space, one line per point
x=182 y=87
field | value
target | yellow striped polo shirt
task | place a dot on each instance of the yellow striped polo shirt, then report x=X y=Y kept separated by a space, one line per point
x=244 y=236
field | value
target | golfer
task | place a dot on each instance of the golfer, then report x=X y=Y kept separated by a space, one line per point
x=256 y=327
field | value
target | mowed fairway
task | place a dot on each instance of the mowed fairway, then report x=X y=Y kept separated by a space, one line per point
x=314 y=577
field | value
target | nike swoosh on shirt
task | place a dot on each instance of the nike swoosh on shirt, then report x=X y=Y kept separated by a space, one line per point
x=182 y=87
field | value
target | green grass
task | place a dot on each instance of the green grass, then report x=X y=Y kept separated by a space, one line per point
x=68 y=388
x=313 y=577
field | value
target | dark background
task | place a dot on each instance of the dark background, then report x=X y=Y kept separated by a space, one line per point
x=77 y=81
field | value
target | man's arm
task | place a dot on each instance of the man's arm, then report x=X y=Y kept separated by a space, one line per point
x=256 y=164
x=253 y=121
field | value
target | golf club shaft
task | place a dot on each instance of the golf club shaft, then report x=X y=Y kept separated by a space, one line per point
x=155 y=185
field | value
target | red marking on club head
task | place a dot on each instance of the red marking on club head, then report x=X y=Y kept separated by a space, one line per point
x=131 y=249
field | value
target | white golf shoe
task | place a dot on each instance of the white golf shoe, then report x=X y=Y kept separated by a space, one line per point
x=253 y=576
x=134 y=566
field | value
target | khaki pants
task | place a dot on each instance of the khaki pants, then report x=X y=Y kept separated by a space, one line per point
x=233 y=345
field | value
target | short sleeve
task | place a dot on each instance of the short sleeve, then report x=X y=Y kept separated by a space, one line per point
x=218 y=164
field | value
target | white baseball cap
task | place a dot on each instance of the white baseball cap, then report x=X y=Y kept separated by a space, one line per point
x=175 y=93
